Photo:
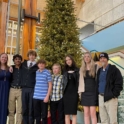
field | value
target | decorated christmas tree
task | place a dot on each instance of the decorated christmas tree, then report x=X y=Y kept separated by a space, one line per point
x=60 y=35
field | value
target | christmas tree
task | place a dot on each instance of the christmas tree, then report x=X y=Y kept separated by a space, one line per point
x=59 y=34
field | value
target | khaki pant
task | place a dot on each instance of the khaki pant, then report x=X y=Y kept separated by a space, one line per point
x=15 y=97
x=108 y=110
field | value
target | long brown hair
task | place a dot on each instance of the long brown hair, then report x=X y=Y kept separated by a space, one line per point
x=6 y=66
x=73 y=66
x=92 y=66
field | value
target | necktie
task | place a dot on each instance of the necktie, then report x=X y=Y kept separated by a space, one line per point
x=30 y=64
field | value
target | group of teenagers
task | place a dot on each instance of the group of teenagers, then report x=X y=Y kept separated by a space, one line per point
x=27 y=87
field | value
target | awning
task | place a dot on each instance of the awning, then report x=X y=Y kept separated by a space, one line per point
x=109 y=39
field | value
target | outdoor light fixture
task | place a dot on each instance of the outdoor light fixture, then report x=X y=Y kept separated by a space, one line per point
x=29 y=16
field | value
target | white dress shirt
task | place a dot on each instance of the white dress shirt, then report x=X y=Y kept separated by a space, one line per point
x=33 y=63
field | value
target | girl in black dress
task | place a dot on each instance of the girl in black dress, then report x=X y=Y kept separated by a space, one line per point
x=87 y=88
x=70 y=97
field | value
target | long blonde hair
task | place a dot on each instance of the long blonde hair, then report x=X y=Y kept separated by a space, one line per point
x=6 y=66
x=84 y=68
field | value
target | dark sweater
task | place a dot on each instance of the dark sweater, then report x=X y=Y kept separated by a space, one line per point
x=114 y=83
x=28 y=75
x=16 y=76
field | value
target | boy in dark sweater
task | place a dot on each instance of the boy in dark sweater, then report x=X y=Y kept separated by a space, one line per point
x=29 y=69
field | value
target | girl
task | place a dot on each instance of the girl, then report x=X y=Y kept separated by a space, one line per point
x=87 y=88
x=4 y=87
x=70 y=80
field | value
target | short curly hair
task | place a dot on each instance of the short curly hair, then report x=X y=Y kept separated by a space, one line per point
x=17 y=56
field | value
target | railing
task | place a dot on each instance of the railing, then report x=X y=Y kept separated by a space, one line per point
x=121 y=106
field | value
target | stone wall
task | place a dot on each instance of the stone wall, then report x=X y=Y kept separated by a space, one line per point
x=102 y=12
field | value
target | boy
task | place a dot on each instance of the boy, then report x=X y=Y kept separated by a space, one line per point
x=16 y=92
x=42 y=92
x=29 y=69
x=56 y=98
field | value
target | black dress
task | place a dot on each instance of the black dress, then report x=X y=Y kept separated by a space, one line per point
x=88 y=98
x=70 y=96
